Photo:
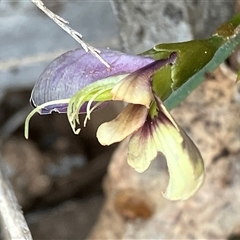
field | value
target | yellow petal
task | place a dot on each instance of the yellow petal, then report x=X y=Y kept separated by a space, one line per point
x=141 y=148
x=185 y=164
x=128 y=121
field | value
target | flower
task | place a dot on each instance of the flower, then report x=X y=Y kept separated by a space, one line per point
x=76 y=82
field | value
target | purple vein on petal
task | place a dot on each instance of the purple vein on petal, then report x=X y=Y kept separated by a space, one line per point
x=136 y=87
x=142 y=148
x=128 y=121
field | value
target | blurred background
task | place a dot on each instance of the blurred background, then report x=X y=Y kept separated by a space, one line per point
x=57 y=176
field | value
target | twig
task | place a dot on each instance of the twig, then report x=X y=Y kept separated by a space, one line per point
x=77 y=36
x=11 y=218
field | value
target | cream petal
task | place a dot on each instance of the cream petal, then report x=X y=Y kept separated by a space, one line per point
x=185 y=164
x=141 y=148
x=128 y=121
x=135 y=88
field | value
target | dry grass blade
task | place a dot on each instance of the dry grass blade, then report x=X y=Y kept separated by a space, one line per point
x=77 y=36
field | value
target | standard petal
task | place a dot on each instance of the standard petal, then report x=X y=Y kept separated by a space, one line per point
x=75 y=70
x=128 y=121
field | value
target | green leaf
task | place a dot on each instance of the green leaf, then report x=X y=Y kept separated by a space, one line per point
x=221 y=54
x=191 y=57
x=162 y=81
x=194 y=59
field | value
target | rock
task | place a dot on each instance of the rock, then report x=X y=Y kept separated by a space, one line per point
x=30 y=42
x=144 y=25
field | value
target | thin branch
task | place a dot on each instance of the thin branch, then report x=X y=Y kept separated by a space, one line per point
x=77 y=36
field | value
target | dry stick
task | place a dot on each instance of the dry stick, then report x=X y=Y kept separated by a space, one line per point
x=12 y=222
x=77 y=36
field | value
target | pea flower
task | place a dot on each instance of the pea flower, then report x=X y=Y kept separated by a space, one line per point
x=76 y=83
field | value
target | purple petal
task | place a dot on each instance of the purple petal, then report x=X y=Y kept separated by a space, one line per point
x=76 y=69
